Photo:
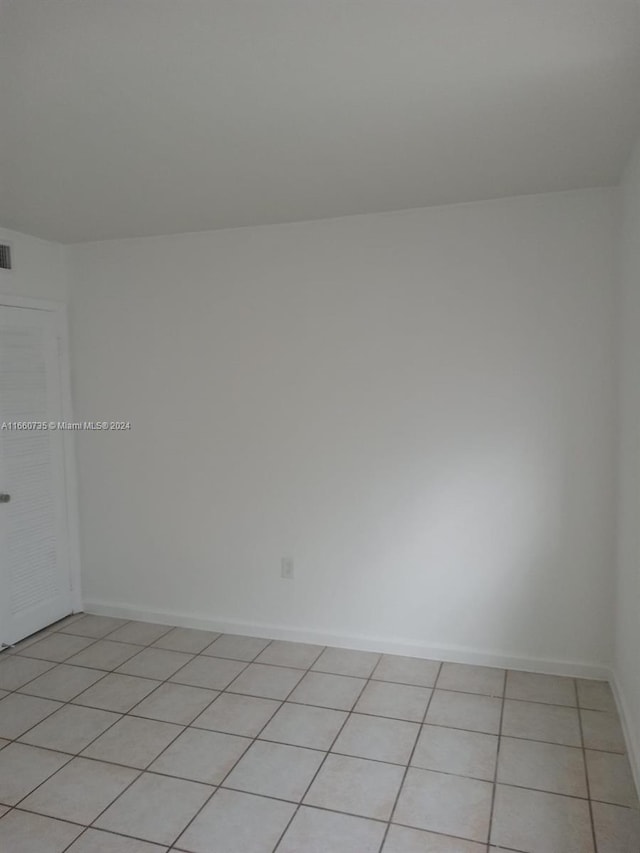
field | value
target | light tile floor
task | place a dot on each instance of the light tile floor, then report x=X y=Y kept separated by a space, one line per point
x=128 y=737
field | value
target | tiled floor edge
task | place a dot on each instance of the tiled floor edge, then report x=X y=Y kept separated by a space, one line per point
x=449 y=654
x=628 y=730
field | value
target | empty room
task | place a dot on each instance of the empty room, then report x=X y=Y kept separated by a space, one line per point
x=319 y=426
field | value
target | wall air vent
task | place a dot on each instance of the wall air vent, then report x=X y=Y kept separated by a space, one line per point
x=5 y=256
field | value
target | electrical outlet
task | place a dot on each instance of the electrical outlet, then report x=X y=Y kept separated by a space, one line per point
x=286 y=568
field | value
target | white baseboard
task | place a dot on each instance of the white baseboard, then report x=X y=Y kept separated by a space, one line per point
x=396 y=646
x=633 y=747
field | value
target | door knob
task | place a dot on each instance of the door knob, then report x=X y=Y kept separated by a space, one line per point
x=4 y=498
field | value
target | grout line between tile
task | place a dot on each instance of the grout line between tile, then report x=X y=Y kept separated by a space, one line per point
x=495 y=774
x=586 y=772
x=404 y=775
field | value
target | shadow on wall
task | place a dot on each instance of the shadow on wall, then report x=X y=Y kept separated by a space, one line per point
x=490 y=538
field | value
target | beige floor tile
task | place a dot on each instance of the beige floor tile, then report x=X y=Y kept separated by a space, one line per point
x=98 y=841
x=534 y=687
x=236 y=647
x=305 y=725
x=317 y=831
x=455 y=751
x=139 y=633
x=283 y=653
x=188 y=640
x=3 y=742
x=275 y=770
x=602 y=730
x=346 y=662
x=445 y=802
x=537 y=721
x=405 y=670
x=93 y=626
x=57 y=647
x=357 y=786
x=471 y=679
x=208 y=672
x=328 y=691
x=595 y=695
x=268 y=682
x=28 y=641
x=175 y=703
x=80 y=791
x=67 y=620
x=23 y=768
x=155 y=808
x=22 y=832
x=237 y=715
x=133 y=742
x=401 y=839
x=610 y=779
x=537 y=822
x=116 y=692
x=402 y=701
x=543 y=766
x=451 y=805
x=202 y=756
x=234 y=822
x=465 y=711
x=70 y=729
x=63 y=682
x=155 y=663
x=20 y=713
x=617 y=829
x=105 y=654
x=16 y=671
x=377 y=738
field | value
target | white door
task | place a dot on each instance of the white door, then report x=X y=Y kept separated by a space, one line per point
x=35 y=587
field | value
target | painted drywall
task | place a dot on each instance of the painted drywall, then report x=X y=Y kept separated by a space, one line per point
x=627 y=651
x=416 y=407
x=39 y=270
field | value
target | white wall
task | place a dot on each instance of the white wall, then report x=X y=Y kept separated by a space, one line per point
x=627 y=653
x=418 y=407
x=39 y=270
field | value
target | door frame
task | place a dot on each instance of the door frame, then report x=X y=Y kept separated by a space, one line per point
x=59 y=311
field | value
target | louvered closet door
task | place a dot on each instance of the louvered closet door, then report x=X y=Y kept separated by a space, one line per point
x=34 y=565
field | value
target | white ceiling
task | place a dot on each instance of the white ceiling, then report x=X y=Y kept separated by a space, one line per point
x=132 y=117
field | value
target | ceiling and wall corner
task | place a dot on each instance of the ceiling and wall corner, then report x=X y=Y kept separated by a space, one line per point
x=38 y=268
